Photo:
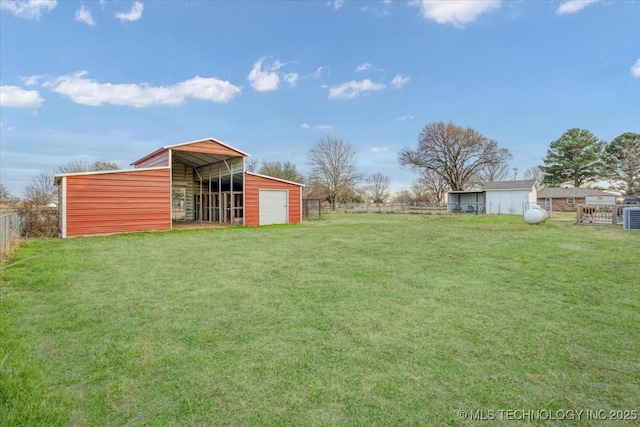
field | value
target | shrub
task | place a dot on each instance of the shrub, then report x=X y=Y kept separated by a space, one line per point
x=41 y=221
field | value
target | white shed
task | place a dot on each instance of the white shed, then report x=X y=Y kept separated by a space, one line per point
x=510 y=197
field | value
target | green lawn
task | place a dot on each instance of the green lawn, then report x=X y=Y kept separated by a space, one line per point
x=358 y=319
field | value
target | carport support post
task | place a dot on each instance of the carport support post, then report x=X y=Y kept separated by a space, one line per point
x=209 y=199
x=231 y=214
x=200 y=196
x=233 y=199
x=219 y=196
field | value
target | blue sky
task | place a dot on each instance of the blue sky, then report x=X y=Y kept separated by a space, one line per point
x=115 y=80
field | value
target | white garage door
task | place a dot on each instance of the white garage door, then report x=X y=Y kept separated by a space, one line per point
x=273 y=207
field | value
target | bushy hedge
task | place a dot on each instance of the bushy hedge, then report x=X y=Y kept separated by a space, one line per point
x=41 y=222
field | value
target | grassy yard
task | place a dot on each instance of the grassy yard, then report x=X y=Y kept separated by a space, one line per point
x=359 y=319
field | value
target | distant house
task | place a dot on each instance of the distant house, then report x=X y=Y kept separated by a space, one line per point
x=567 y=199
x=496 y=197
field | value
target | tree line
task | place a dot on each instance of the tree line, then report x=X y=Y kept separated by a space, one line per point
x=447 y=157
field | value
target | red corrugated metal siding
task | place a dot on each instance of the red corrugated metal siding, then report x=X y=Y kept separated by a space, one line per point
x=209 y=147
x=252 y=186
x=118 y=202
x=158 y=159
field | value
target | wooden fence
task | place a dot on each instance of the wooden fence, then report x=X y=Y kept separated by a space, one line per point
x=600 y=214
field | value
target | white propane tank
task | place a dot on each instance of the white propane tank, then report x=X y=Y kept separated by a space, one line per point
x=535 y=215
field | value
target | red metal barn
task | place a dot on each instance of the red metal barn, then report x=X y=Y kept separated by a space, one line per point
x=198 y=181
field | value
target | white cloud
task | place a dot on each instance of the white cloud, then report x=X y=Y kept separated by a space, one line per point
x=277 y=65
x=84 y=15
x=30 y=9
x=31 y=80
x=13 y=96
x=635 y=69
x=379 y=149
x=337 y=4
x=292 y=79
x=264 y=81
x=133 y=14
x=317 y=127
x=573 y=6
x=367 y=67
x=378 y=12
x=318 y=72
x=405 y=118
x=455 y=12
x=399 y=81
x=354 y=88
x=83 y=90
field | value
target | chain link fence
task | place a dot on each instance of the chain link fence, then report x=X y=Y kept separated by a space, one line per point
x=415 y=207
x=12 y=228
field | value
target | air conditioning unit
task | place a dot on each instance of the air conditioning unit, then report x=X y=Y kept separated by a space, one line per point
x=631 y=219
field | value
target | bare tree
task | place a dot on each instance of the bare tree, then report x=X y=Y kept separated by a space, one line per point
x=419 y=192
x=534 y=172
x=376 y=186
x=73 y=166
x=282 y=170
x=41 y=190
x=313 y=189
x=454 y=153
x=357 y=194
x=4 y=193
x=333 y=164
x=251 y=164
x=103 y=165
x=497 y=169
x=403 y=196
x=434 y=186
x=76 y=166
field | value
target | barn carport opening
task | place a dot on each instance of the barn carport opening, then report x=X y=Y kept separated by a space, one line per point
x=207 y=188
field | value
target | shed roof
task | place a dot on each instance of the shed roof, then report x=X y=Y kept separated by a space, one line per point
x=550 y=193
x=522 y=184
x=274 y=178
x=58 y=177
x=199 y=151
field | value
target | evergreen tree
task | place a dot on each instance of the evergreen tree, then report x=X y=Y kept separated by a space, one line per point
x=575 y=157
